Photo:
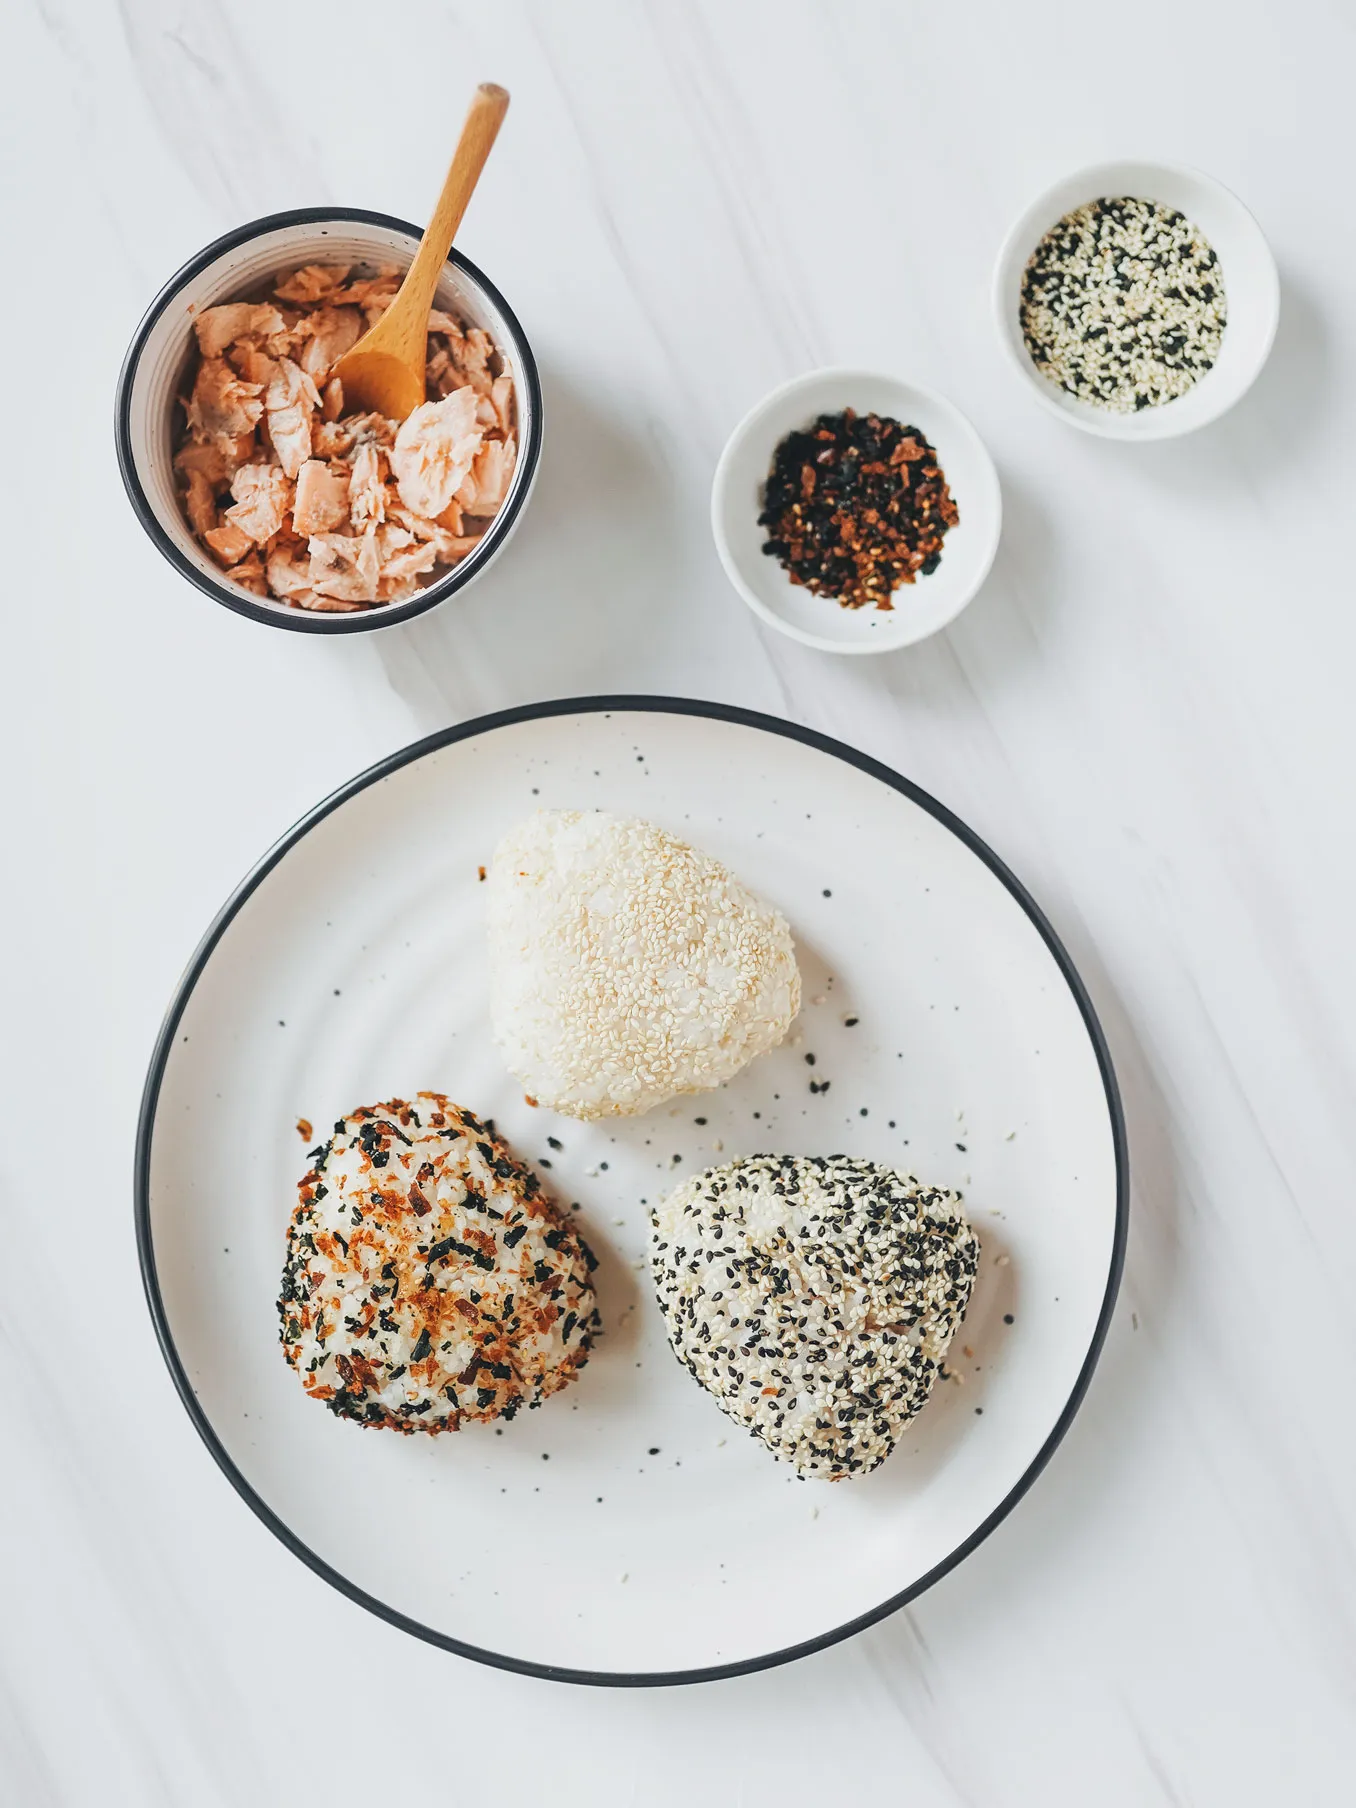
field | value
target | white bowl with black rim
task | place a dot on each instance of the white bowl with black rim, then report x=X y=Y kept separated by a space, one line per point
x=628 y=1532
x=917 y=609
x=243 y=265
x=1251 y=291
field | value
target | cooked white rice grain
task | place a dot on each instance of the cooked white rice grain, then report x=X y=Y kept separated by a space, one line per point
x=627 y=967
x=428 y=1278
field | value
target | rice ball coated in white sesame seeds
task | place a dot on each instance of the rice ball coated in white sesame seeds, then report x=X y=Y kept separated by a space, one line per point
x=626 y=966
x=815 y=1298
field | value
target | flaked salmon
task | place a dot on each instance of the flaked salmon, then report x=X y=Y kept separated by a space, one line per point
x=321 y=502
x=218 y=460
x=249 y=574
x=319 y=509
x=312 y=283
x=434 y=450
x=485 y=486
x=222 y=405
x=218 y=328
x=325 y=336
x=366 y=488
x=289 y=402
x=227 y=543
x=201 y=503
x=346 y=566
x=262 y=498
x=288 y=570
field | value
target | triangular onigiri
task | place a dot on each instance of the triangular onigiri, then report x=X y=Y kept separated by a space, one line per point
x=627 y=967
x=814 y=1297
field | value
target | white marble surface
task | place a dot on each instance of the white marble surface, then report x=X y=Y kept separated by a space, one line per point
x=1147 y=711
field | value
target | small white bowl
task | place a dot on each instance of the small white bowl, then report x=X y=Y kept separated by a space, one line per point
x=920 y=608
x=1251 y=290
x=244 y=264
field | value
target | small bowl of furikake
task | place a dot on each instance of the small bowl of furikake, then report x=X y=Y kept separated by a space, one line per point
x=856 y=512
x=1137 y=300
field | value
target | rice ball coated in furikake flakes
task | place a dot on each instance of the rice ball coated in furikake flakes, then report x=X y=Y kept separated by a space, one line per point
x=1123 y=304
x=855 y=506
x=428 y=1279
x=815 y=1298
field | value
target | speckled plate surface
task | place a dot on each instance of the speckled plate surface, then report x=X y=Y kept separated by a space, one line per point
x=627 y=1532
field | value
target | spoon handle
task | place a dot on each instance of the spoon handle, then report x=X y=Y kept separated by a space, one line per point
x=484 y=117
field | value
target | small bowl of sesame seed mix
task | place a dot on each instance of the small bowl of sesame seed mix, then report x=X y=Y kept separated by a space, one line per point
x=1137 y=300
x=855 y=512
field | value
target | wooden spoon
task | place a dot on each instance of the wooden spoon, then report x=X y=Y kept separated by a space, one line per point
x=385 y=370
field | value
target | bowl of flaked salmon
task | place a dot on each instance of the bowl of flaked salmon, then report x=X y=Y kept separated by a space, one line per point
x=258 y=481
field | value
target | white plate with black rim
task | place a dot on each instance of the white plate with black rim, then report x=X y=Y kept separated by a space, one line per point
x=628 y=1533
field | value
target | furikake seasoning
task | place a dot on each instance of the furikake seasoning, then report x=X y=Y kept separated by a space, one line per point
x=1123 y=304
x=856 y=505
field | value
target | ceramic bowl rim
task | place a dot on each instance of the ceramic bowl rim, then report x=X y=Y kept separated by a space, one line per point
x=743 y=430
x=306 y=621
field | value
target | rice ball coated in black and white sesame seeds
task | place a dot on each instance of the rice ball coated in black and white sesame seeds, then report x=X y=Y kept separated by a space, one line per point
x=428 y=1278
x=626 y=966
x=1123 y=304
x=814 y=1297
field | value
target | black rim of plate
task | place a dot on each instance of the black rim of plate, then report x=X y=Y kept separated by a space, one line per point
x=304 y=621
x=569 y=706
